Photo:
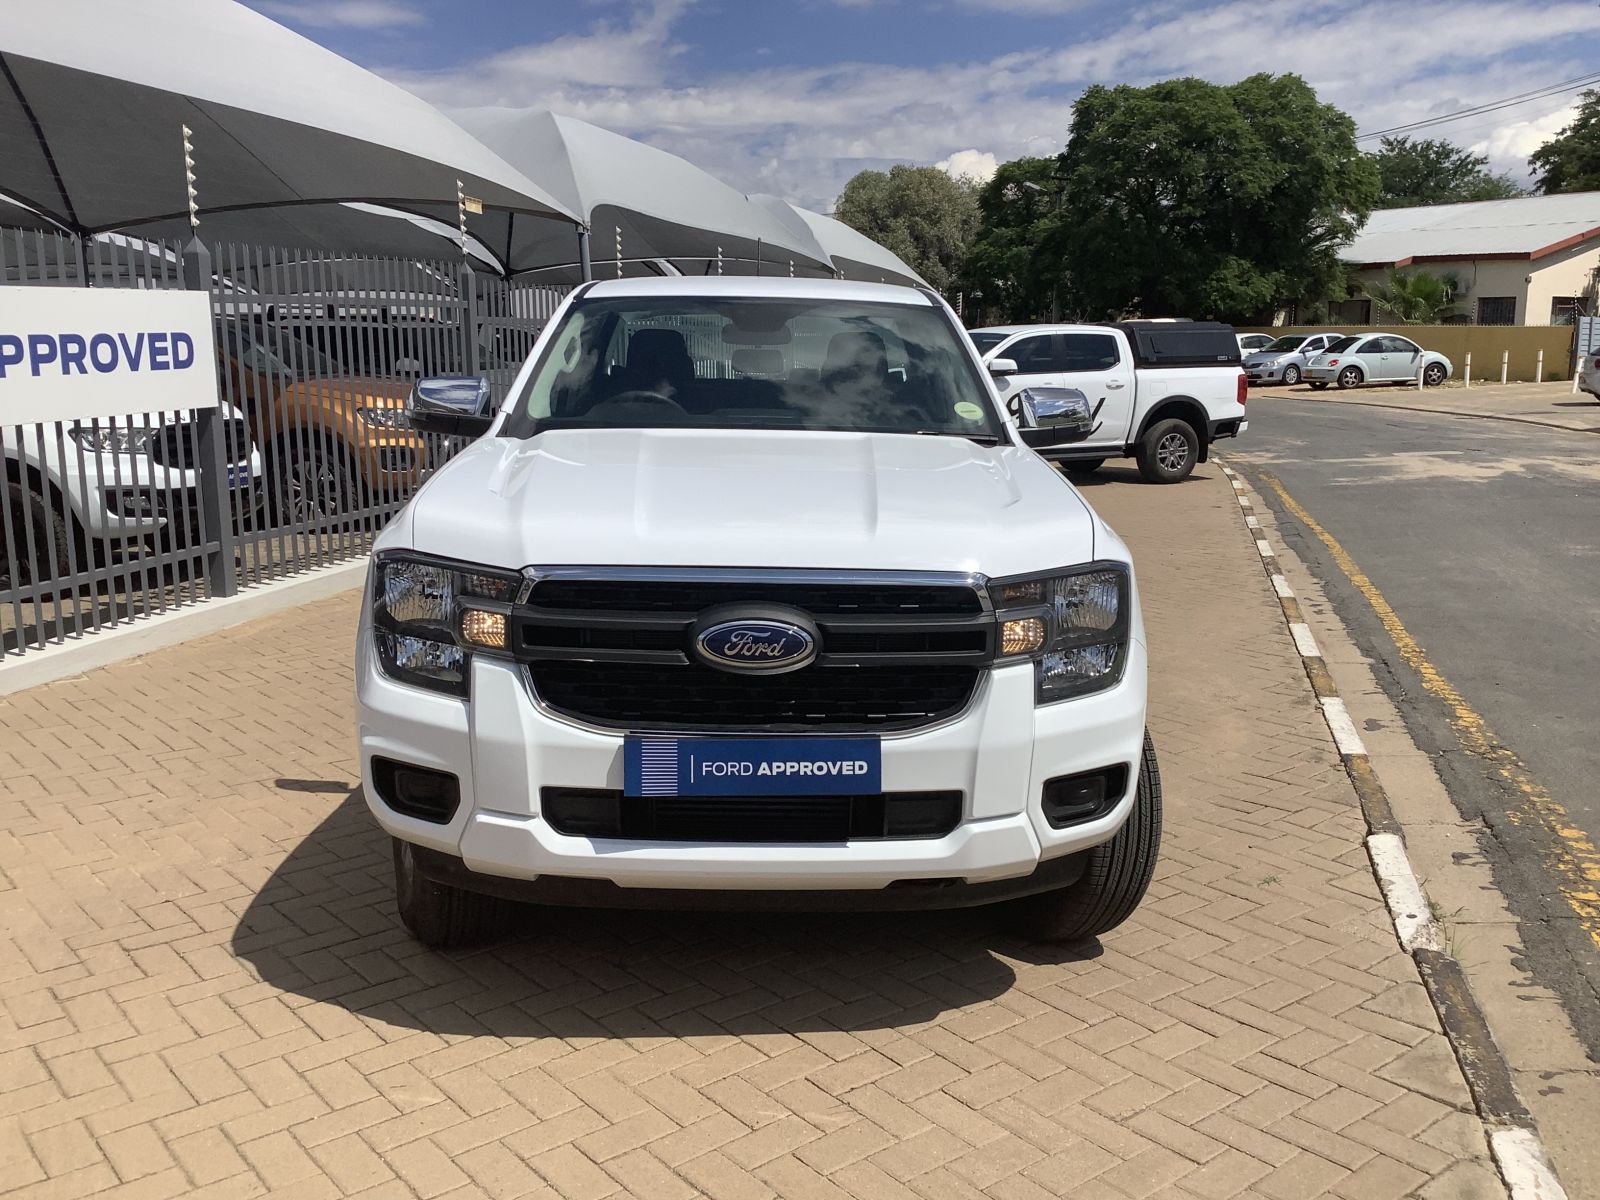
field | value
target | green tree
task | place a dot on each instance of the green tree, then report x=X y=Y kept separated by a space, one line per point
x=1187 y=198
x=1005 y=264
x=919 y=213
x=1415 y=298
x=1570 y=162
x=1414 y=172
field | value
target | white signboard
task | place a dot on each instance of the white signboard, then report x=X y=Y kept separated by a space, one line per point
x=72 y=353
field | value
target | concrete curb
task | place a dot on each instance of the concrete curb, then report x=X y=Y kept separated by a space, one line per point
x=1513 y=1136
x=1441 y=412
x=131 y=639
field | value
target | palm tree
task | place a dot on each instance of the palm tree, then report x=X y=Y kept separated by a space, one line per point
x=1417 y=298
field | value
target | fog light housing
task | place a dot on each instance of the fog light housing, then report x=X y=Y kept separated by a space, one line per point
x=1074 y=799
x=419 y=792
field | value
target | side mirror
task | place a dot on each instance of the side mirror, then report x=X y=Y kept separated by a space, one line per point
x=1049 y=416
x=1002 y=366
x=456 y=406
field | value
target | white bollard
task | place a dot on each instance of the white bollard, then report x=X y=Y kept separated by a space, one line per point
x=1419 y=373
x=1466 y=374
x=1538 y=368
x=1505 y=365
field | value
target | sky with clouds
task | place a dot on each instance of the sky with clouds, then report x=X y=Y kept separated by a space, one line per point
x=795 y=96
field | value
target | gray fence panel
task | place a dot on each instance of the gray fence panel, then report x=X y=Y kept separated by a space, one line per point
x=304 y=463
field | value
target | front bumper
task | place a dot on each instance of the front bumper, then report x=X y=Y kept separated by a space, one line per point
x=504 y=747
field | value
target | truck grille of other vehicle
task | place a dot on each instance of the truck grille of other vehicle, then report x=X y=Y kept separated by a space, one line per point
x=616 y=652
x=178 y=445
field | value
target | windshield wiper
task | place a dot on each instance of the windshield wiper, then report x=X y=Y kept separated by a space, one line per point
x=983 y=439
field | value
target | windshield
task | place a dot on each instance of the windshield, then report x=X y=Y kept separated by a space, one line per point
x=1340 y=346
x=986 y=342
x=1288 y=342
x=654 y=362
x=267 y=351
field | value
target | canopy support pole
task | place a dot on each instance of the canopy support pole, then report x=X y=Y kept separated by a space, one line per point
x=583 y=254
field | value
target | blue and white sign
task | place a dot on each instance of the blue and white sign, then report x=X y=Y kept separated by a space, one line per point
x=71 y=354
x=751 y=766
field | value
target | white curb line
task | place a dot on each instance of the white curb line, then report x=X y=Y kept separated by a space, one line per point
x=1524 y=1165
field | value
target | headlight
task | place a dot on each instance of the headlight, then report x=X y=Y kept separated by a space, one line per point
x=123 y=440
x=386 y=418
x=428 y=617
x=1074 y=627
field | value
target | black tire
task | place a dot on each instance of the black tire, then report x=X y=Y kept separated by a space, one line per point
x=1433 y=375
x=440 y=916
x=1114 y=879
x=1168 y=451
x=1350 y=377
x=316 y=482
x=1291 y=375
x=1319 y=387
x=49 y=526
x=1082 y=466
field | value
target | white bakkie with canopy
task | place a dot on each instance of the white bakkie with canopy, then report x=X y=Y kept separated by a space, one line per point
x=1160 y=392
x=751 y=594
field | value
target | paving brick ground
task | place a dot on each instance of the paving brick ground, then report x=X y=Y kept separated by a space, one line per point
x=204 y=990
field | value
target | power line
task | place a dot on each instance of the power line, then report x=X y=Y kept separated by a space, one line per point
x=1556 y=89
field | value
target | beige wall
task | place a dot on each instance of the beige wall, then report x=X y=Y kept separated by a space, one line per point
x=1533 y=283
x=1486 y=343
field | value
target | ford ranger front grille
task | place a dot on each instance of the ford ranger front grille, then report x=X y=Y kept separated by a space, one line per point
x=618 y=651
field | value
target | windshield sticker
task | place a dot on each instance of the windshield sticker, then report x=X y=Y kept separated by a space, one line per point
x=969 y=411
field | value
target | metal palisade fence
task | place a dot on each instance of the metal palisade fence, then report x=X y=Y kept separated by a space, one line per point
x=307 y=455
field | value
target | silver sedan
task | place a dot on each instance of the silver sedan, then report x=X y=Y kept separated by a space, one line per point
x=1284 y=360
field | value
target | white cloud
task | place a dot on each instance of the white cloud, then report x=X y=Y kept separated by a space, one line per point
x=803 y=131
x=974 y=164
x=1509 y=146
x=346 y=14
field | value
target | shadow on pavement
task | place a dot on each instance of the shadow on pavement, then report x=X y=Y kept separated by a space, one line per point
x=1129 y=473
x=324 y=927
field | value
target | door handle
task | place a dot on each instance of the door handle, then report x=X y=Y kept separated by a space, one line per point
x=1113 y=384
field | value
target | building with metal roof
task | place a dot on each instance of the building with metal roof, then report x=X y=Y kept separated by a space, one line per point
x=1533 y=260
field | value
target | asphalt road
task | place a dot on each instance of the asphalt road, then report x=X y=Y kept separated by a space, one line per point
x=1484 y=536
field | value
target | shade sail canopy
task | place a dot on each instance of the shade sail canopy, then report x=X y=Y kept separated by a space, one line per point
x=856 y=255
x=93 y=95
x=664 y=206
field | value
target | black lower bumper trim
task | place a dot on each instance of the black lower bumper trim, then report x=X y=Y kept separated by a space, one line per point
x=901 y=896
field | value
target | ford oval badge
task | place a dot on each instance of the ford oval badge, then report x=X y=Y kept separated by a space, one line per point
x=756 y=645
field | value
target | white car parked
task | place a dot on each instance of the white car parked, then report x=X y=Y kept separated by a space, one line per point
x=1589 y=373
x=1284 y=361
x=751 y=595
x=75 y=491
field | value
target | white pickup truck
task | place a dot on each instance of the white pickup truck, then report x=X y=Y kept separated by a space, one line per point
x=750 y=595
x=1161 y=391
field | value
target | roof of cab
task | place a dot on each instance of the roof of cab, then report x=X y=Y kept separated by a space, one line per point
x=756 y=288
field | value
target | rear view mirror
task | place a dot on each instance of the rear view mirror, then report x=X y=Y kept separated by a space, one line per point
x=456 y=406
x=1002 y=366
x=1050 y=416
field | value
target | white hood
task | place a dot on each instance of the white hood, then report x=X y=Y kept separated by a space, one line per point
x=737 y=498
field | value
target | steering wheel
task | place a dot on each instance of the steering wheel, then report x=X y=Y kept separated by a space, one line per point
x=638 y=403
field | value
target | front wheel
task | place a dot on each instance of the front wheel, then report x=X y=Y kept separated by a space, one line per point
x=1433 y=374
x=1114 y=879
x=1349 y=378
x=1168 y=451
x=438 y=915
x=1291 y=375
x=38 y=537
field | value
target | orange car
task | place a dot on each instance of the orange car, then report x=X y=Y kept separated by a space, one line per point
x=335 y=443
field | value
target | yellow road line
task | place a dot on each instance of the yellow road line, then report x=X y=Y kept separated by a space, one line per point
x=1572 y=857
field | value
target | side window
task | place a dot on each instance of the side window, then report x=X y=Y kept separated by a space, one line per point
x=1401 y=345
x=1033 y=355
x=1371 y=346
x=1086 y=352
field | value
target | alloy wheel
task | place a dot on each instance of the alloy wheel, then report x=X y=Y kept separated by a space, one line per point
x=1172 y=452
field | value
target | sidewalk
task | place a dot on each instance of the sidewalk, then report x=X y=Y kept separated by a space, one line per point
x=204 y=990
x=1552 y=404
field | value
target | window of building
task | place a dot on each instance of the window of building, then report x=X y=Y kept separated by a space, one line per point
x=1564 y=310
x=1497 y=310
